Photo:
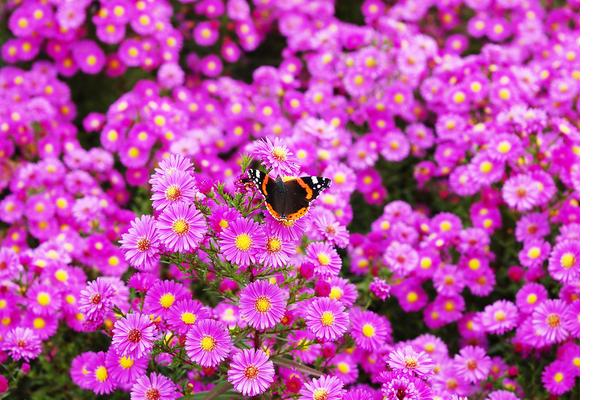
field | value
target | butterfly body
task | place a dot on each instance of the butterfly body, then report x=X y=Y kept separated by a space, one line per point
x=289 y=198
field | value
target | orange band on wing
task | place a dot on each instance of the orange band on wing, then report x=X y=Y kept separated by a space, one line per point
x=263 y=187
x=309 y=192
x=273 y=212
x=298 y=214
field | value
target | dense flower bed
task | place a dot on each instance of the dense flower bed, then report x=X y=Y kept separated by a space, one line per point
x=137 y=258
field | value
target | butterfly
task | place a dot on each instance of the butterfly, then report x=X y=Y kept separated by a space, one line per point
x=288 y=199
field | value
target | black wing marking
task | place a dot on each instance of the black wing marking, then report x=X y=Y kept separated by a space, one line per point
x=300 y=192
x=272 y=192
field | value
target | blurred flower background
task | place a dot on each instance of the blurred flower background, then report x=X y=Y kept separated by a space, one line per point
x=138 y=259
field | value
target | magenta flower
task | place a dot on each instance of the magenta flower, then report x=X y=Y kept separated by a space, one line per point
x=240 y=242
x=276 y=156
x=262 y=304
x=325 y=258
x=134 y=335
x=154 y=387
x=369 y=330
x=140 y=244
x=473 y=363
x=499 y=317
x=177 y=187
x=22 y=344
x=408 y=361
x=251 y=372
x=208 y=343
x=181 y=227
x=326 y=318
x=96 y=299
x=326 y=387
x=558 y=378
x=549 y=320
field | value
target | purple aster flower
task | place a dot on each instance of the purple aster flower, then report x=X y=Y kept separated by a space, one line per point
x=499 y=317
x=276 y=156
x=473 y=363
x=502 y=395
x=185 y=314
x=520 y=192
x=140 y=244
x=97 y=299
x=549 y=320
x=79 y=368
x=327 y=387
x=208 y=343
x=240 y=241
x=326 y=318
x=162 y=296
x=408 y=361
x=134 y=335
x=406 y=387
x=369 y=330
x=125 y=369
x=262 y=304
x=99 y=379
x=154 y=387
x=401 y=258
x=251 y=372
x=274 y=252
x=380 y=288
x=181 y=227
x=530 y=295
x=558 y=378
x=563 y=264
x=176 y=187
x=325 y=258
x=22 y=344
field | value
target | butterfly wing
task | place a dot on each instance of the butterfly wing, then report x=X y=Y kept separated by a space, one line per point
x=300 y=192
x=273 y=194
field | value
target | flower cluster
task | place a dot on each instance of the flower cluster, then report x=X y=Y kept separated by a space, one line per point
x=441 y=263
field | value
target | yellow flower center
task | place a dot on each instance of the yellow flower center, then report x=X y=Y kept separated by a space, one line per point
x=327 y=319
x=553 y=320
x=180 y=226
x=486 y=167
x=39 y=323
x=167 y=300
x=173 y=193
x=335 y=293
x=279 y=153
x=188 y=318
x=343 y=367
x=531 y=298
x=320 y=394
x=534 y=252
x=43 y=298
x=324 y=259
x=61 y=275
x=243 y=242
x=208 y=343
x=274 y=245
x=412 y=297
x=101 y=374
x=368 y=330
x=504 y=147
x=262 y=304
x=126 y=362
x=445 y=226
x=567 y=260
x=251 y=372
x=499 y=315
x=339 y=178
x=558 y=377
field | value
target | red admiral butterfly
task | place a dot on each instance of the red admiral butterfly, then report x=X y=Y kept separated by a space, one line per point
x=289 y=198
